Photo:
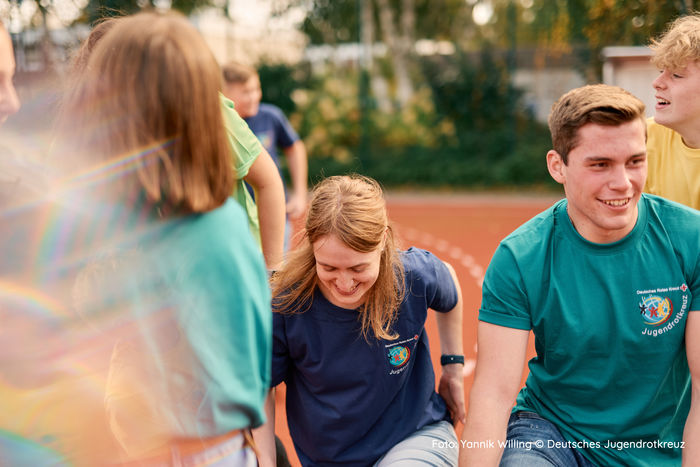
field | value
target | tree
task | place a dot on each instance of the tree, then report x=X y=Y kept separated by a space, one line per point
x=585 y=26
x=337 y=21
x=397 y=22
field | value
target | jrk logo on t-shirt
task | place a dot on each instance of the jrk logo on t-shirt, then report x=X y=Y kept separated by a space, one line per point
x=659 y=308
x=399 y=354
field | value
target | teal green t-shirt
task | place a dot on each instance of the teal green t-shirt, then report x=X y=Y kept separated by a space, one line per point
x=609 y=320
x=193 y=355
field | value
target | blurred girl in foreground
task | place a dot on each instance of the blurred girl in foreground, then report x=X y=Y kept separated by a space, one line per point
x=144 y=144
x=350 y=343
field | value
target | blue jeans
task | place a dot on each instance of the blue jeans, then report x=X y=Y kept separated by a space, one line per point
x=532 y=441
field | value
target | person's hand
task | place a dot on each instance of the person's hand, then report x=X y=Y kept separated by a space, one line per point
x=451 y=388
x=296 y=206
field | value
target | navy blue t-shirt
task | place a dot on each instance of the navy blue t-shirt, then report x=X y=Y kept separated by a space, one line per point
x=272 y=129
x=349 y=400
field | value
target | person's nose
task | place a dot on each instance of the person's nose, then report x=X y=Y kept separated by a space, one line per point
x=620 y=179
x=660 y=81
x=345 y=282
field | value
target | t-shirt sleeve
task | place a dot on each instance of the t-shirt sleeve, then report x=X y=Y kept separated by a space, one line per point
x=280 y=350
x=504 y=300
x=244 y=144
x=440 y=289
x=285 y=134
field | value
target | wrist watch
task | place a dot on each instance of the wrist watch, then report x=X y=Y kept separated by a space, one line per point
x=450 y=359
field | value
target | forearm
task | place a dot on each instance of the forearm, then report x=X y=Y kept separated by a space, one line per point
x=485 y=430
x=271 y=215
x=451 y=384
x=450 y=324
x=499 y=369
x=691 y=433
x=298 y=168
x=269 y=197
x=264 y=436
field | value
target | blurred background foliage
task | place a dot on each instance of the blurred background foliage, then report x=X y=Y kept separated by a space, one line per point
x=464 y=126
x=428 y=97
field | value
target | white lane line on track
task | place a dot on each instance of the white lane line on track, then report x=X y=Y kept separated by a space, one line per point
x=439 y=245
x=431 y=243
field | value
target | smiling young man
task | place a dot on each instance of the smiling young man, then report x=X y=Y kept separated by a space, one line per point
x=608 y=280
x=673 y=143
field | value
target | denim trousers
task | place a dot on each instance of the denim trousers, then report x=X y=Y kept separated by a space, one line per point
x=532 y=441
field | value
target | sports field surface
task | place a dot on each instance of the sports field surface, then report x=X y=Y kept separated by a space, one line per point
x=463 y=230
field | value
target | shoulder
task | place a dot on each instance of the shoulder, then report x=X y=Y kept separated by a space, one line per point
x=270 y=110
x=229 y=113
x=429 y=281
x=657 y=133
x=422 y=266
x=532 y=232
x=672 y=225
x=218 y=247
x=656 y=128
x=670 y=213
x=528 y=245
x=416 y=260
x=225 y=225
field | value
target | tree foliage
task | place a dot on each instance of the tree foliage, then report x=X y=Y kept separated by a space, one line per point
x=584 y=25
x=336 y=21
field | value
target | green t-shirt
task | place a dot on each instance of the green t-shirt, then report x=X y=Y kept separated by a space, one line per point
x=609 y=324
x=246 y=148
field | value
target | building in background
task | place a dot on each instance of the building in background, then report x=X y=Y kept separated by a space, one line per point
x=631 y=69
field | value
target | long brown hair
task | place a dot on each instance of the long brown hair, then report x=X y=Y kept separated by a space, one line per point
x=148 y=100
x=353 y=209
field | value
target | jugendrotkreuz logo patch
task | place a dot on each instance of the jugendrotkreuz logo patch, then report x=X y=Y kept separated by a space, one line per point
x=399 y=354
x=657 y=309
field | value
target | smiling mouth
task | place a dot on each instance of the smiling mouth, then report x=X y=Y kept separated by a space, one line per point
x=616 y=203
x=349 y=292
x=662 y=102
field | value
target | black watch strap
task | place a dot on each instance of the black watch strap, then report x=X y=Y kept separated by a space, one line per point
x=449 y=359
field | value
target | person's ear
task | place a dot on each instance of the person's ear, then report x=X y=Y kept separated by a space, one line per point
x=556 y=166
